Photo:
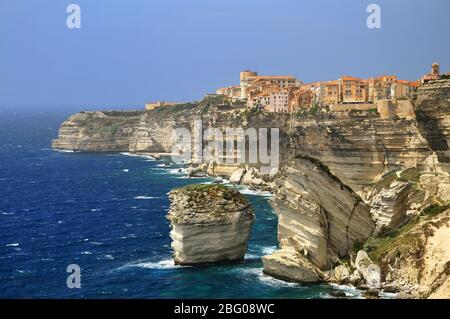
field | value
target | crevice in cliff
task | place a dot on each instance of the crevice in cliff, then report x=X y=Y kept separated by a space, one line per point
x=429 y=128
x=324 y=214
x=348 y=224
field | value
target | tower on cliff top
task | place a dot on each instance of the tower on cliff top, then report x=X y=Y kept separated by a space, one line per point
x=246 y=77
x=435 y=69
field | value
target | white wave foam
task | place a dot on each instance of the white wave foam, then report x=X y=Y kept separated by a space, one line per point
x=96 y=209
x=353 y=292
x=146 y=156
x=248 y=191
x=5 y=213
x=142 y=197
x=258 y=273
x=162 y=264
x=66 y=151
x=12 y=245
x=128 y=236
x=269 y=250
x=86 y=253
x=177 y=171
x=349 y=291
x=249 y=256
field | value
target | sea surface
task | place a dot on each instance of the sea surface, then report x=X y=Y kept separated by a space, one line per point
x=106 y=213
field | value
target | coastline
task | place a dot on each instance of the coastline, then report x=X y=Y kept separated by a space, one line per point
x=340 y=290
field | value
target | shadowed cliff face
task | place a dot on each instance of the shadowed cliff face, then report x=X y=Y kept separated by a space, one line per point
x=316 y=209
x=358 y=147
x=433 y=117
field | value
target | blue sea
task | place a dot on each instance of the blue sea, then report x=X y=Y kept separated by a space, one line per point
x=106 y=213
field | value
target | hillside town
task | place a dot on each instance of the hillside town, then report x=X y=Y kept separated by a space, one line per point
x=287 y=94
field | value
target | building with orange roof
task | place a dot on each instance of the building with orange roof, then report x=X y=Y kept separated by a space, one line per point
x=331 y=95
x=380 y=87
x=301 y=98
x=353 y=90
x=279 y=101
x=249 y=80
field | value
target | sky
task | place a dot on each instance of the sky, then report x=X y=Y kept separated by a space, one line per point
x=129 y=52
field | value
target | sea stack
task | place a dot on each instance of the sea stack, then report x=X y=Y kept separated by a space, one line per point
x=210 y=223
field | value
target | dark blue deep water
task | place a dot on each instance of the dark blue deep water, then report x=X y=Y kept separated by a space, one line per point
x=106 y=213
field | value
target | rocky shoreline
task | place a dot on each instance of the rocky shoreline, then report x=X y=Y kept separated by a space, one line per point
x=301 y=256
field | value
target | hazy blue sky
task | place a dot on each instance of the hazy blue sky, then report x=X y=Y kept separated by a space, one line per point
x=130 y=52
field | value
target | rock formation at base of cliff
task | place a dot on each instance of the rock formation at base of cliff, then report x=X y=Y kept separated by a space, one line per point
x=210 y=223
x=416 y=260
x=369 y=271
x=318 y=216
x=289 y=264
x=389 y=206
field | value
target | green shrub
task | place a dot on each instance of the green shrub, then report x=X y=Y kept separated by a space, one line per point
x=434 y=210
x=314 y=109
x=410 y=174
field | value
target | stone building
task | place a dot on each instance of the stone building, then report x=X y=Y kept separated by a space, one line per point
x=301 y=98
x=246 y=77
x=353 y=90
x=400 y=89
x=233 y=91
x=158 y=104
x=331 y=93
x=434 y=75
x=279 y=101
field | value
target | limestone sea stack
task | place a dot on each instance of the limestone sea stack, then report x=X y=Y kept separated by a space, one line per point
x=210 y=223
